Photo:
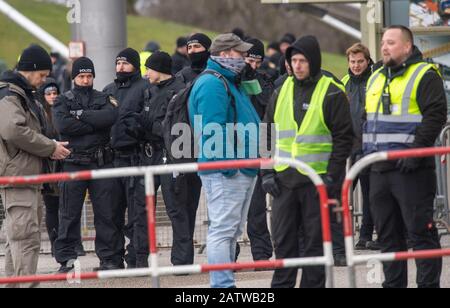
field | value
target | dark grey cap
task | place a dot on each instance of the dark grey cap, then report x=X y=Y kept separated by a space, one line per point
x=229 y=41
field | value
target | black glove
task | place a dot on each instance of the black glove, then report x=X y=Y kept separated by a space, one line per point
x=248 y=73
x=333 y=187
x=409 y=165
x=270 y=185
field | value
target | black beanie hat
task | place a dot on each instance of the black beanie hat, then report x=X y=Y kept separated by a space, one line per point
x=257 y=51
x=131 y=56
x=161 y=62
x=310 y=48
x=182 y=42
x=201 y=39
x=34 y=58
x=83 y=65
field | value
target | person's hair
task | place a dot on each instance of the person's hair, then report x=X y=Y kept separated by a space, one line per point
x=358 y=48
x=407 y=33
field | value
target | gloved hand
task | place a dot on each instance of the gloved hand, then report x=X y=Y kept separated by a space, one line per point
x=270 y=185
x=76 y=113
x=409 y=165
x=248 y=73
x=333 y=187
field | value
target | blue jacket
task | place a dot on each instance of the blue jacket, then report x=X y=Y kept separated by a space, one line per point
x=209 y=100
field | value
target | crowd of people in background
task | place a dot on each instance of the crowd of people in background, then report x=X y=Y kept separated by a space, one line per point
x=55 y=121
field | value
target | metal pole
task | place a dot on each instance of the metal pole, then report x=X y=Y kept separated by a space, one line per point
x=33 y=28
x=103 y=29
x=150 y=197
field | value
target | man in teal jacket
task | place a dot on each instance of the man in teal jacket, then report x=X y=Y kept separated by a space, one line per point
x=217 y=104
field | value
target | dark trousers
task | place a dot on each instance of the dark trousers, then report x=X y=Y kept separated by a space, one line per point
x=181 y=196
x=52 y=221
x=367 y=226
x=108 y=242
x=297 y=212
x=258 y=232
x=125 y=196
x=52 y=217
x=400 y=201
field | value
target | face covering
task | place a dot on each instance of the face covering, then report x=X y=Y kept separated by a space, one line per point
x=236 y=65
x=199 y=60
x=124 y=77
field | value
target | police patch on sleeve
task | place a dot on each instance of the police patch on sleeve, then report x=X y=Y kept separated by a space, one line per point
x=114 y=101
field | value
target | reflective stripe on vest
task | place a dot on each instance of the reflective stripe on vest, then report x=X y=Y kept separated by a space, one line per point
x=345 y=80
x=312 y=143
x=397 y=130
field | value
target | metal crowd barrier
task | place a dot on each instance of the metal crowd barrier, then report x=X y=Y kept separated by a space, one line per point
x=155 y=271
x=352 y=259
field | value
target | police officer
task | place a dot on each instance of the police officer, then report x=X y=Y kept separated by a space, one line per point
x=406 y=108
x=198 y=52
x=313 y=121
x=131 y=90
x=180 y=58
x=84 y=118
x=258 y=232
x=176 y=192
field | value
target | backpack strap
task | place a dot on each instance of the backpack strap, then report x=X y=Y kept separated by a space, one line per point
x=227 y=88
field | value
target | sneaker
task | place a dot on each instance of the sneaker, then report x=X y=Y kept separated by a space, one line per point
x=373 y=245
x=64 y=269
x=361 y=245
x=109 y=266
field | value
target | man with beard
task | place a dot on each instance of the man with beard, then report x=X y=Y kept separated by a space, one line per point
x=406 y=108
x=131 y=91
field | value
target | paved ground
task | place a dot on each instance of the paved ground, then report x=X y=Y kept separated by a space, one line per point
x=368 y=277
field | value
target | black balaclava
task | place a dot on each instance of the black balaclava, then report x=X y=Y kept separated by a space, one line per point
x=199 y=60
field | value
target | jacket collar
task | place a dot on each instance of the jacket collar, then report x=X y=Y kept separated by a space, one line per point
x=20 y=83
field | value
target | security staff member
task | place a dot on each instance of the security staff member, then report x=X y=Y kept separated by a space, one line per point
x=84 y=118
x=176 y=191
x=406 y=108
x=258 y=232
x=360 y=70
x=312 y=115
x=131 y=90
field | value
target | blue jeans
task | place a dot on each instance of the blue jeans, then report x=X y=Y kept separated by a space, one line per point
x=228 y=202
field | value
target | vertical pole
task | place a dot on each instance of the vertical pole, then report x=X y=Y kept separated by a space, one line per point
x=348 y=232
x=151 y=221
x=327 y=237
x=103 y=29
x=372 y=18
